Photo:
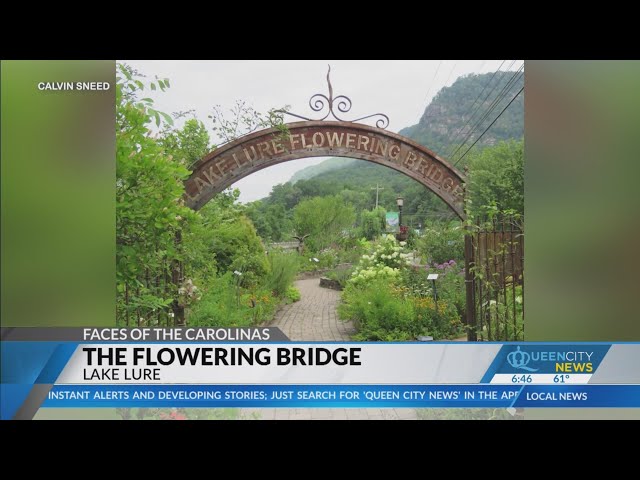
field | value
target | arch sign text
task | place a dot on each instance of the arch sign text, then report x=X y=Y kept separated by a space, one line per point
x=246 y=155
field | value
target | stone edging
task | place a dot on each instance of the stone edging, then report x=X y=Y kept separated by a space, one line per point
x=321 y=272
x=328 y=283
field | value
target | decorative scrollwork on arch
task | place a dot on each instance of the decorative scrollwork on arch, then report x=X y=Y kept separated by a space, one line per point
x=336 y=105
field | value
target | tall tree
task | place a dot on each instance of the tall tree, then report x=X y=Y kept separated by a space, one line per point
x=323 y=219
x=149 y=209
x=496 y=179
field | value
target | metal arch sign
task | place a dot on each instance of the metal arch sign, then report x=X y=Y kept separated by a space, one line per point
x=246 y=155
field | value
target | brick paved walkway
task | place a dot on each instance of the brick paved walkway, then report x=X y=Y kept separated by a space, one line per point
x=315 y=318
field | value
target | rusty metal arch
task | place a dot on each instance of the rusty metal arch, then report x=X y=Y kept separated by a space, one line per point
x=251 y=153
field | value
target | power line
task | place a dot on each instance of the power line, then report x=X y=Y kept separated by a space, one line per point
x=450 y=73
x=473 y=119
x=499 y=70
x=431 y=85
x=494 y=121
x=461 y=129
x=504 y=90
x=502 y=94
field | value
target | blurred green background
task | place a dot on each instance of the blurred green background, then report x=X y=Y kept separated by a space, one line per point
x=582 y=133
x=582 y=124
x=58 y=205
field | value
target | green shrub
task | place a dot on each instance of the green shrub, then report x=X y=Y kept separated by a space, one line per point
x=417 y=283
x=253 y=266
x=450 y=285
x=306 y=264
x=372 y=223
x=324 y=219
x=441 y=321
x=376 y=312
x=385 y=311
x=342 y=275
x=496 y=179
x=441 y=242
x=262 y=304
x=385 y=262
x=328 y=258
x=348 y=242
x=282 y=272
x=499 y=312
x=225 y=304
x=292 y=295
x=350 y=256
x=314 y=261
x=451 y=288
x=236 y=246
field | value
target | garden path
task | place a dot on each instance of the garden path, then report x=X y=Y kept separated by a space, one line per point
x=315 y=318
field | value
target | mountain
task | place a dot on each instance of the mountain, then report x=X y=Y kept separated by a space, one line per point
x=314 y=170
x=451 y=117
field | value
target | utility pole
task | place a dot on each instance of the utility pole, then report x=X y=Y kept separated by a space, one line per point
x=377 y=189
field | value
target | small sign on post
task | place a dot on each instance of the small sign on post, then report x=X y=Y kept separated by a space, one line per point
x=433 y=277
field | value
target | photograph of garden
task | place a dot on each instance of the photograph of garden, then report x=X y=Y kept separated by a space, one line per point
x=320 y=254
x=239 y=261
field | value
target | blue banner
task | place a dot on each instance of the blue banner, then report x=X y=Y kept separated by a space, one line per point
x=344 y=396
x=149 y=372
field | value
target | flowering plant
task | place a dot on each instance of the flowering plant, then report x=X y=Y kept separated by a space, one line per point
x=385 y=262
x=188 y=293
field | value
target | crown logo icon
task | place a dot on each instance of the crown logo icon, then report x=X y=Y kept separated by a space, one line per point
x=520 y=359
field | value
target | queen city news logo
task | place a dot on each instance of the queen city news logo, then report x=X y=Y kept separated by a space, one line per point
x=551 y=360
x=520 y=359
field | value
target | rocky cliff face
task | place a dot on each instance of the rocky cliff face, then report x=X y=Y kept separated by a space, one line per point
x=456 y=110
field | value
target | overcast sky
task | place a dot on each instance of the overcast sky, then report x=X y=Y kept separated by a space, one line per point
x=399 y=88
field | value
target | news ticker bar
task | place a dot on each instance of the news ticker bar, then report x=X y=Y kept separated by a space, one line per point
x=343 y=396
x=201 y=367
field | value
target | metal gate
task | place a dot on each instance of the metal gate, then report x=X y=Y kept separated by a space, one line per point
x=494 y=254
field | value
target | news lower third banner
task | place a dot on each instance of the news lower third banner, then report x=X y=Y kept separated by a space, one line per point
x=259 y=367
